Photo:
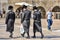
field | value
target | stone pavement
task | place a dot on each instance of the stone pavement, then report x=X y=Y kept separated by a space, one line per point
x=48 y=35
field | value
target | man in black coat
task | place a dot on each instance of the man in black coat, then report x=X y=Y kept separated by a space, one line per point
x=25 y=20
x=37 y=22
x=10 y=19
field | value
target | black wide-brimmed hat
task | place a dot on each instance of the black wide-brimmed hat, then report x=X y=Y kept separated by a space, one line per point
x=24 y=6
x=10 y=7
x=34 y=7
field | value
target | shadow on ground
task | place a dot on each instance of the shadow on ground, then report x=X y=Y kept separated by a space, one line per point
x=48 y=37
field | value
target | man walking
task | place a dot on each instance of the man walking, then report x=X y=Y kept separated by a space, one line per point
x=25 y=20
x=37 y=22
x=10 y=19
x=49 y=19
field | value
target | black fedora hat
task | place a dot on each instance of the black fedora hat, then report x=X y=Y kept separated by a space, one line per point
x=24 y=6
x=34 y=7
x=10 y=7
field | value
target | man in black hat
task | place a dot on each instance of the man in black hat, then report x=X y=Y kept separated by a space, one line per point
x=10 y=19
x=25 y=20
x=37 y=22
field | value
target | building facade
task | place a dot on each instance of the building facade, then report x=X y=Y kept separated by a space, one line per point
x=44 y=5
x=3 y=5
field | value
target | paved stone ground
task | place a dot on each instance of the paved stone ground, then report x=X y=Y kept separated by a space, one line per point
x=48 y=35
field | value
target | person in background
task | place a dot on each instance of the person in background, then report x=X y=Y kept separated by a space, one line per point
x=49 y=19
x=10 y=19
x=1 y=13
x=37 y=22
x=4 y=12
x=17 y=13
x=25 y=20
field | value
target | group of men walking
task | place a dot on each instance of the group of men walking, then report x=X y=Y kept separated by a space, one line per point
x=25 y=21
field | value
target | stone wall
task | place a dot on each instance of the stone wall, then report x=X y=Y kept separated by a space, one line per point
x=45 y=4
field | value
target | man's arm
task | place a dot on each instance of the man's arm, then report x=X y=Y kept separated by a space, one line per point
x=7 y=17
x=14 y=17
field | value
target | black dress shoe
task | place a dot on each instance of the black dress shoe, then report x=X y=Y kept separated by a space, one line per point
x=42 y=36
x=28 y=37
x=33 y=36
x=11 y=36
x=22 y=35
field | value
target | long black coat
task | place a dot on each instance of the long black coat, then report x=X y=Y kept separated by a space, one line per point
x=10 y=19
x=37 y=21
x=25 y=20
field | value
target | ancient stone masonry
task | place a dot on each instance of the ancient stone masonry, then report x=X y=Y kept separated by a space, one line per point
x=44 y=5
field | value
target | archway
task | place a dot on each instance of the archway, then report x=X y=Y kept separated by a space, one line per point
x=56 y=11
x=43 y=12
